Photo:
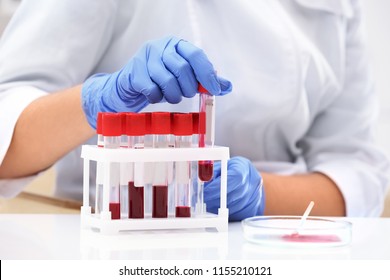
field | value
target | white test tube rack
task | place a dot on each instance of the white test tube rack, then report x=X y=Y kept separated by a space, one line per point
x=103 y=221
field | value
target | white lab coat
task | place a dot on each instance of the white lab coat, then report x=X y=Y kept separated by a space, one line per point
x=303 y=97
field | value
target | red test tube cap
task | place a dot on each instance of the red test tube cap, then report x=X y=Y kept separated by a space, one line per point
x=112 y=124
x=135 y=124
x=196 y=120
x=182 y=124
x=148 y=122
x=201 y=89
x=99 y=124
x=123 y=122
x=161 y=123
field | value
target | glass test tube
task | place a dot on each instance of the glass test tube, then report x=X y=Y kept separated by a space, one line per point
x=112 y=131
x=207 y=111
x=161 y=128
x=198 y=126
x=171 y=172
x=99 y=166
x=148 y=166
x=126 y=171
x=136 y=130
x=182 y=129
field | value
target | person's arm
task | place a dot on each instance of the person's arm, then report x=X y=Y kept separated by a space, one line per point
x=48 y=128
x=290 y=195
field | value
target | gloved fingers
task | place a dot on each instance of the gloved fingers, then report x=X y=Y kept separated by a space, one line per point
x=253 y=207
x=237 y=172
x=249 y=211
x=213 y=208
x=233 y=164
x=236 y=175
x=243 y=181
x=226 y=86
x=182 y=71
x=212 y=194
x=202 y=67
x=159 y=74
x=212 y=190
x=243 y=197
x=235 y=189
x=244 y=202
x=140 y=82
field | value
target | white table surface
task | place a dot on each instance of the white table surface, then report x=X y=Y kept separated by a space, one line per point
x=38 y=236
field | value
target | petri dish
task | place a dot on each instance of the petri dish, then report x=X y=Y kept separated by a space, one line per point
x=283 y=231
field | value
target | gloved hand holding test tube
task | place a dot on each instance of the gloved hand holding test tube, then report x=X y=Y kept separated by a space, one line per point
x=207 y=115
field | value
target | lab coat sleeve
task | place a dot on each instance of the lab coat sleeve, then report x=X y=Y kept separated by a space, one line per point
x=47 y=46
x=340 y=142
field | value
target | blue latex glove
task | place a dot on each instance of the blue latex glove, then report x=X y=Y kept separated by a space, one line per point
x=245 y=192
x=162 y=70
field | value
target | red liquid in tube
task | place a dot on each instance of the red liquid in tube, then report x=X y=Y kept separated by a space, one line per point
x=136 y=201
x=160 y=202
x=205 y=170
x=183 y=211
x=115 y=209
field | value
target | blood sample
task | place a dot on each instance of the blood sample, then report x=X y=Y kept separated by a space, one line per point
x=206 y=113
x=160 y=201
x=198 y=126
x=182 y=129
x=183 y=211
x=135 y=129
x=112 y=131
x=136 y=201
x=205 y=170
x=161 y=128
x=115 y=209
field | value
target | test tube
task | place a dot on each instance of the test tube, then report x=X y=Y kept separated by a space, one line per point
x=99 y=166
x=198 y=127
x=148 y=166
x=171 y=172
x=182 y=129
x=136 y=130
x=112 y=131
x=161 y=128
x=126 y=170
x=207 y=111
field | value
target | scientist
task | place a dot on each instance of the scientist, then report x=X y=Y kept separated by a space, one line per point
x=300 y=118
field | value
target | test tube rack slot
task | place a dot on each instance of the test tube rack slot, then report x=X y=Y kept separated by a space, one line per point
x=103 y=221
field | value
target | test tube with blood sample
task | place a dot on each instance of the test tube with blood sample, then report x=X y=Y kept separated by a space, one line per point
x=182 y=129
x=112 y=131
